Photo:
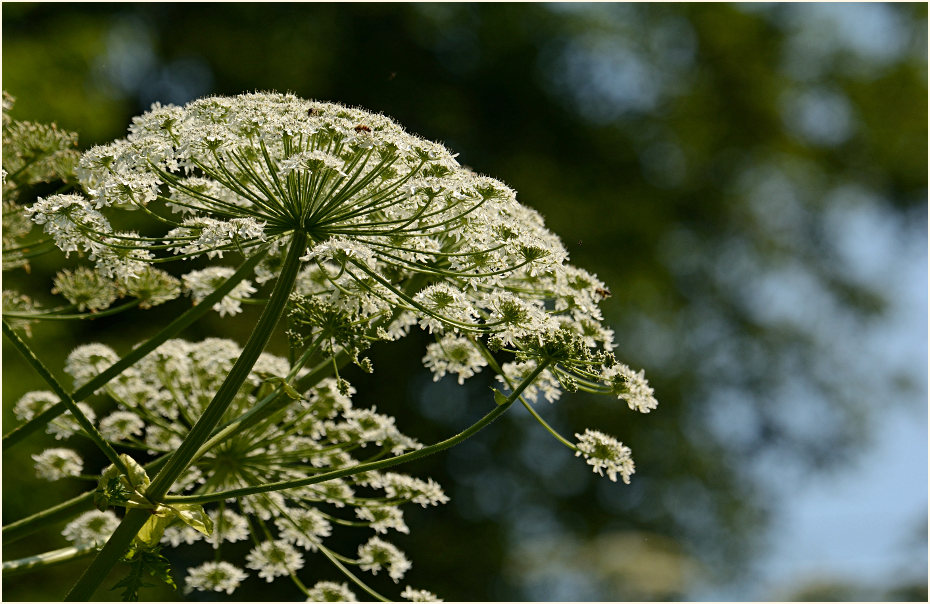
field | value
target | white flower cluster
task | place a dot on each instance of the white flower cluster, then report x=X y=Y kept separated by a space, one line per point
x=605 y=453
x=204 y=235
x=159 y=398
x=214 y=576
x=91 y=528
x=378 y=554
x=85 y=288
x=400 y=234
x=58 y=463
x=201 y=283
x=33 y=153
x=76 y=226
x=632 y=387
x=33 y=403
x=329 y=591
x=453 y=354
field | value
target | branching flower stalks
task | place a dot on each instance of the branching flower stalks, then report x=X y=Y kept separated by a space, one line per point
x=363 y=232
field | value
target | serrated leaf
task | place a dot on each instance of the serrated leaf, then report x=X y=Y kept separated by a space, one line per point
x=159 y=567
x=143 y=562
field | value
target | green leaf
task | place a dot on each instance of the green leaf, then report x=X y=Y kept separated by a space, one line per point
x=288 y=389
x=144 y=563
x=193 y=516
x=114 y=488
x=150 y=533
x=111 y=491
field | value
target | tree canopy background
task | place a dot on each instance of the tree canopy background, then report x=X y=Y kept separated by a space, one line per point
x=750 y=180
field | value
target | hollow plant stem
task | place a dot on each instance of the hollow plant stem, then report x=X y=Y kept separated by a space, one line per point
x=179 y=460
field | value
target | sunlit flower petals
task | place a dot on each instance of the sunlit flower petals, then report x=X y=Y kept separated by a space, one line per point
x=199 y=284
x=400 y=486
x=419 y=595
x=378 y=554
x=66 y=424
x=453 y=354
x=214 y=576
x=54 y=464
x=120 y=425
x=303 y=527
x=329 y=591
x=34 y=403
x=88 y=360
x=91 y=528
x=274 y=559
x=605 y=453
x=631 y=386
x=382 y=518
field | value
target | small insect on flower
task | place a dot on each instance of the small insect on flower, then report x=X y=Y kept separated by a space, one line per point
x=362 y=128
x=603 y=293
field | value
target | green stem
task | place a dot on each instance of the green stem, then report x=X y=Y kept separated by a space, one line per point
x=89 y=429
x=332 y=558
x=545 y=425
x=324 y=369
x=240 y=371
x=365 y=467
x=497 y=368
x=264 y=409
x=87 y=316
x=109 y=555
x=25 y=526
x=180 y=459
x=43 y=561
x=169 y=331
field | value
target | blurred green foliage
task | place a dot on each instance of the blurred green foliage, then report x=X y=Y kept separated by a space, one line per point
x=691 y=155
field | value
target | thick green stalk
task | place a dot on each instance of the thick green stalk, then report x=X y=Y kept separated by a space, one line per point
x=109 y=555
x=374 y=465
x=30 y=524
x=43 y=561
x=179 y=460
x=240 y=371
x=89 y=429
x=25 y=526
x=170 y=330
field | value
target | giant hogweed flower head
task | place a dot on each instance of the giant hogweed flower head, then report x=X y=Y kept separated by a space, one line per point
x=231 y=173
x=399 y=235
x=156 y=403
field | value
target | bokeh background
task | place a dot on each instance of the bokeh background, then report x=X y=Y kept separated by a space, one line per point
x=751 y=182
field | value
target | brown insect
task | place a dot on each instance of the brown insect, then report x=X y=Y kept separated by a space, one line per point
x=311 y=112
x=362 y=128
x=603 y=293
